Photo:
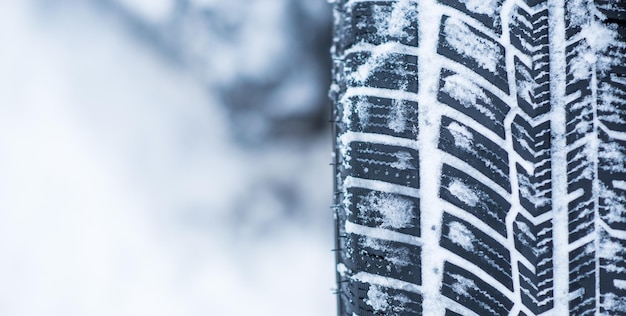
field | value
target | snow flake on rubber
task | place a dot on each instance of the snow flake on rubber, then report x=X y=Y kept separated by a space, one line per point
x=395 y=211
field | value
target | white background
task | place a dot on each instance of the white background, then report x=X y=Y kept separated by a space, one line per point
x=123 y=193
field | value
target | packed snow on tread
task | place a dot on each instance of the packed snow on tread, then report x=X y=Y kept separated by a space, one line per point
x=464 y=193
x=398 y=120
x=395 y=211
x=463 y=40
x=468 y=93
x=393 y=22
x=487 y=7
x=462 y=137
x=378 y=299
x=460 y=235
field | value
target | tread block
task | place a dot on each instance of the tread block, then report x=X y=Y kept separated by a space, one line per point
x=464 y=95
x=534 y=197
x=467 y=241
x=473 y=49
x=537 y=293
x=388 y=71
x=612 y=172
x=582 y=280
x=525 y=83
x=521 y=31
x=612 y=81
x=527 y=191
x=365 y=299
x=473 y=293
x=467 y=193
x=581 y=216
x=612 y=253
x=383 y=116
x=472 y=147
x=580 y=169
x=370 y=23
x=574 y=17
x=525 y=238
x=581 y=209
x=384 y=210
x=535 y=243
x=353 y=294
x=387 y=163
x=579 y=118
x=612 y=102
x=611 y=10
x=578 y=69
x=384 y=258
x=528 y=281
x=542 y=141
x=523 y=138
x=485 y=13
x=544 y=248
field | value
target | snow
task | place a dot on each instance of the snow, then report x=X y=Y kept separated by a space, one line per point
x=463 y=40
x=610 y=249
x=395 y=212
x=525 y=230
x=487 y=7
x=467 y=93
x=404 y=161
x=362 y=110
x=351 y=182
x=580 y=66
x=348 y=137
x=397 y=122
x=615 y=205
x=462 y=285
x=342 y=269
x=429 y=116
x=377 y=299
x=524 y=87
x=382 y=234
x=123 y=193
x=379 y=56
x=464 y=193
x=399 y=257
x=460 y=235
x=402 y=15
x=619 y=184
x=386 y=282
x=462 y=136
x=614 y=156
x=599 y=36
x=614 y=303
x=556 y=10
x=620 y=284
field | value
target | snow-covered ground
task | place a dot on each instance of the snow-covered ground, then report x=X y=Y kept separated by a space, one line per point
x=123 y=191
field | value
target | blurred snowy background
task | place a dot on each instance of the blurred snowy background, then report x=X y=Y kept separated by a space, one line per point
x=165 y=157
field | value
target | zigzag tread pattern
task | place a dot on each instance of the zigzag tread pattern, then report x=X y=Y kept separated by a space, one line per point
x=596 y=167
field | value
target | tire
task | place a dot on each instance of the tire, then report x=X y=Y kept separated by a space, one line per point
x=480 y=157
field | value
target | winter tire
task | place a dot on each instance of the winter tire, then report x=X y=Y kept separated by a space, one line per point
x=480 y=157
